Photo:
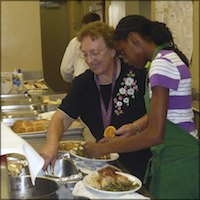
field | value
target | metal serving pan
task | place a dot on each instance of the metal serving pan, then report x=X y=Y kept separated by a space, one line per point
x=19 y=114
x=64 y=171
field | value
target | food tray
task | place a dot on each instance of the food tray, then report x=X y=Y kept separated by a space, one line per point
x=74 y=129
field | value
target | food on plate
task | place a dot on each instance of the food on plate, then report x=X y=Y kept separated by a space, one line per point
x=69 y=145
x=109 y=132
x=81 y=152
x=108 y=171
x=22 y=126
x=109 y=180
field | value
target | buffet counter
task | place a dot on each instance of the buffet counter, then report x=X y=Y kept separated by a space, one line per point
x=30 y=106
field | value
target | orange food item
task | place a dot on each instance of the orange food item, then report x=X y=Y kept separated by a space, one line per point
x=109 y=132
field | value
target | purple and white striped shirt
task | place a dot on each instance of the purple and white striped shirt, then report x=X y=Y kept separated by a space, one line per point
x=169 y=71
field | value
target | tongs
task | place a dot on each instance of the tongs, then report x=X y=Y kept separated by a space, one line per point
x=49 y=171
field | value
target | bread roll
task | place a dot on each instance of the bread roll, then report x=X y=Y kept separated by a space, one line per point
x=22 y=126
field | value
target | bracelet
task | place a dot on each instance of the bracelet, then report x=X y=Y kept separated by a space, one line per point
x=136 y=128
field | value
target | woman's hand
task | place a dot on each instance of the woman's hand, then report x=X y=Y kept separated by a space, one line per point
x=93 y=149
x=49 y=153
x=126 y=130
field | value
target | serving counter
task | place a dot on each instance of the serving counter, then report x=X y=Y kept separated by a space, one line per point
x=29 y=107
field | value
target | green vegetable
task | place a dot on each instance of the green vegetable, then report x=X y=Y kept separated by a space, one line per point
x=118 y=187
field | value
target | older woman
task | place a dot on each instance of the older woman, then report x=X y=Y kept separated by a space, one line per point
x=109 y=93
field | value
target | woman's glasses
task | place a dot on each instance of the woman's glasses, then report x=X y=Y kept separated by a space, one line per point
x=94 y=54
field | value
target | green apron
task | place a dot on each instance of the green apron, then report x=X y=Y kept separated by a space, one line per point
x=174 y=166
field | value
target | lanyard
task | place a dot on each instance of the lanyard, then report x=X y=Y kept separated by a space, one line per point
x=106 y=115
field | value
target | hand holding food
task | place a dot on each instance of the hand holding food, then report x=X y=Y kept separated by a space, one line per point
x=80 y=151
x=93 y=149
x=126 y=130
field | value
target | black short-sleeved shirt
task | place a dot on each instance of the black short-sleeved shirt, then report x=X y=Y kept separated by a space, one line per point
x=83 y=101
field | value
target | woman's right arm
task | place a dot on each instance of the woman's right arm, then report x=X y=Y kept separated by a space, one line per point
x=59 y=123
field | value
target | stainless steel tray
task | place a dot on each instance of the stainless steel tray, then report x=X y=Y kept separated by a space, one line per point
x=16 y=107
x=3 y=96
x=19 y=114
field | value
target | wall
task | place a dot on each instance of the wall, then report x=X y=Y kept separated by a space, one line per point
x=131 y=7
x=117 y=10
x=74 y=11
x=145 y=8
x=55 y=37
x=20 y=36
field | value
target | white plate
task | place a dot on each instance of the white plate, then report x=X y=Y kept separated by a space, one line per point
x=88 y=180
x=90 y=167
x=113 y=156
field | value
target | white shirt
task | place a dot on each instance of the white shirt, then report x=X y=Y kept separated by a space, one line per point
x=72 y=64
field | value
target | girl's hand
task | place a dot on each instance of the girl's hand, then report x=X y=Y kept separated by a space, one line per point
x=93 y=149
x=126 y=130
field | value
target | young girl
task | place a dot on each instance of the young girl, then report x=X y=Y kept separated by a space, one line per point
x=168 y=128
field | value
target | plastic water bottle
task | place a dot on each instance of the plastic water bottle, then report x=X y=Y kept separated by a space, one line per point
x=20 y=79
x=18 y=82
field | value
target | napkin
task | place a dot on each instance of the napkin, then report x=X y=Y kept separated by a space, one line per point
x=81 y=190
x=12 y=143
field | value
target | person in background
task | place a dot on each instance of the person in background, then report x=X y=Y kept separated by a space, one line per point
x=72 y=65
x=109 y=93
x=168 y=127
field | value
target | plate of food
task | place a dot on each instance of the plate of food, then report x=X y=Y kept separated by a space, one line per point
x=67 y=146
x=111 y=181
x=90 y=167
x=80 y=153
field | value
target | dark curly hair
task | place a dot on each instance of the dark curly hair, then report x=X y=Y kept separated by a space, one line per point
x=154 y=31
